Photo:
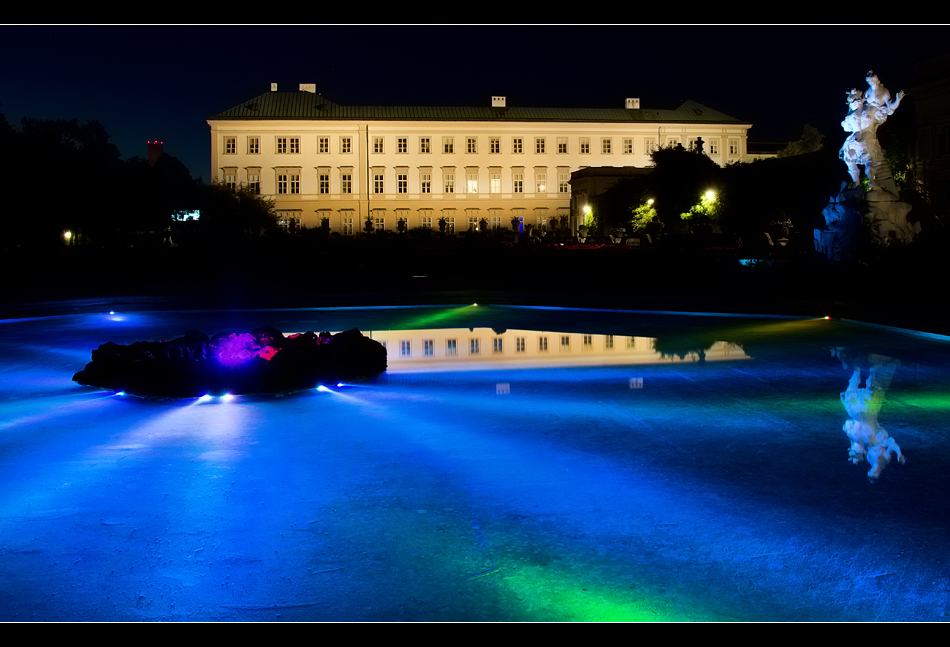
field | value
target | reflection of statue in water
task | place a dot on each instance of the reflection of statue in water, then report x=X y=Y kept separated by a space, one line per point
x=869 y=440
x=868 y=110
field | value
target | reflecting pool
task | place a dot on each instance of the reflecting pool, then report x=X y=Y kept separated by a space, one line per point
x=512 y=464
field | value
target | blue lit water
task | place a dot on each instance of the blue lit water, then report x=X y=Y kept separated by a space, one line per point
x=707 y=480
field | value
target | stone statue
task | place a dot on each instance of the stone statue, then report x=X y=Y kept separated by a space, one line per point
x=885 y=212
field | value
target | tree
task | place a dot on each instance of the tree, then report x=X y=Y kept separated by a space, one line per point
x=809 y=143
x=234 y=215
x=679 y=178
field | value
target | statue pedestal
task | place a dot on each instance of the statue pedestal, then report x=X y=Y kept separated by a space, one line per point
x=890 y=215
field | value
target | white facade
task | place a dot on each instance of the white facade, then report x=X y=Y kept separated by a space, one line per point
x=424 y=164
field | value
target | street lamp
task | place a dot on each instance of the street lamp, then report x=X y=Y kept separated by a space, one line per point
x=68 y=236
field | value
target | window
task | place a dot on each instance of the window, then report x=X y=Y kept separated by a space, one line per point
x=347 y=225
x=449 y=183
x=649 y=145
x=281 y=145
x=474 y=346
x=402 y=145
x=294 y=183
x=282 y=183
x=448 y=144
x=628 y=146
x=543 y=344
x=450 y=224
x=424 y=145
x=494 y=183
x=588 y=342
x=404 y=349
x=377 y=183
x=606 y=146
x=427 y=222
x=346 y=145
x=428 y=347
x=451 y=347
x=563 y=183
x=230 y=145
x=673 y=142
x=714 y=147
x=346 y=182
x=585 y=145
x=609 y=342
x=254 y=181
x=472 y=181
x=323 y=144
x=377 y=144
x=539 y=184
x=517 y=145
x=230 y=181
x=323 y=182
x=561 y=145
x=379 y=223
x=254 y=145
x=519 y=344
x=539 y=145
x=402 y=183
x=565 y=342
x=517 y=183
x=471 y=145
x=294 y=145
x=425 y=181
x=733 y=146
x=497 y=344
x=494 y=145
x=473 y=223
x=496 y=222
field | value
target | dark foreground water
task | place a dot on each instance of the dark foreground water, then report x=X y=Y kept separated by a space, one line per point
x=629 y=466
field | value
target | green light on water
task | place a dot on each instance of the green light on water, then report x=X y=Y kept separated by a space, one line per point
x=429 y=319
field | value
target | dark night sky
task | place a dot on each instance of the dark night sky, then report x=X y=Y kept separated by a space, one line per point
x=163 y=82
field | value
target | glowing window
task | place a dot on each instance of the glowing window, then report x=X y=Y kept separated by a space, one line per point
x=494 y=183
x=472 y=182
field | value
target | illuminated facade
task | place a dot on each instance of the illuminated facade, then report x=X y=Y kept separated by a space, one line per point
x=472 y=167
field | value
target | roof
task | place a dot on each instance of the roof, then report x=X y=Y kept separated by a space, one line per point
x=311 y=106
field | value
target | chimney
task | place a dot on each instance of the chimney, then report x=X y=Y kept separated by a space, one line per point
x=273 y=87
x=632 y=104
x=308 y=87
x=154 y=152
x=497 y=102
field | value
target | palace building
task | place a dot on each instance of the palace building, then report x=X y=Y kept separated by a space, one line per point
x=475 y=167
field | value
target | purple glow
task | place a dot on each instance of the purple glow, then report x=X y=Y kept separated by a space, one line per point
x=238 y=348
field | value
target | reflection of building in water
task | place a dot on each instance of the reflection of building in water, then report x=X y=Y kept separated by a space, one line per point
x=464 y=349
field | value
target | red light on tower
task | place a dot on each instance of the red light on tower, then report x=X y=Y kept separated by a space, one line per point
x=154 y=151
